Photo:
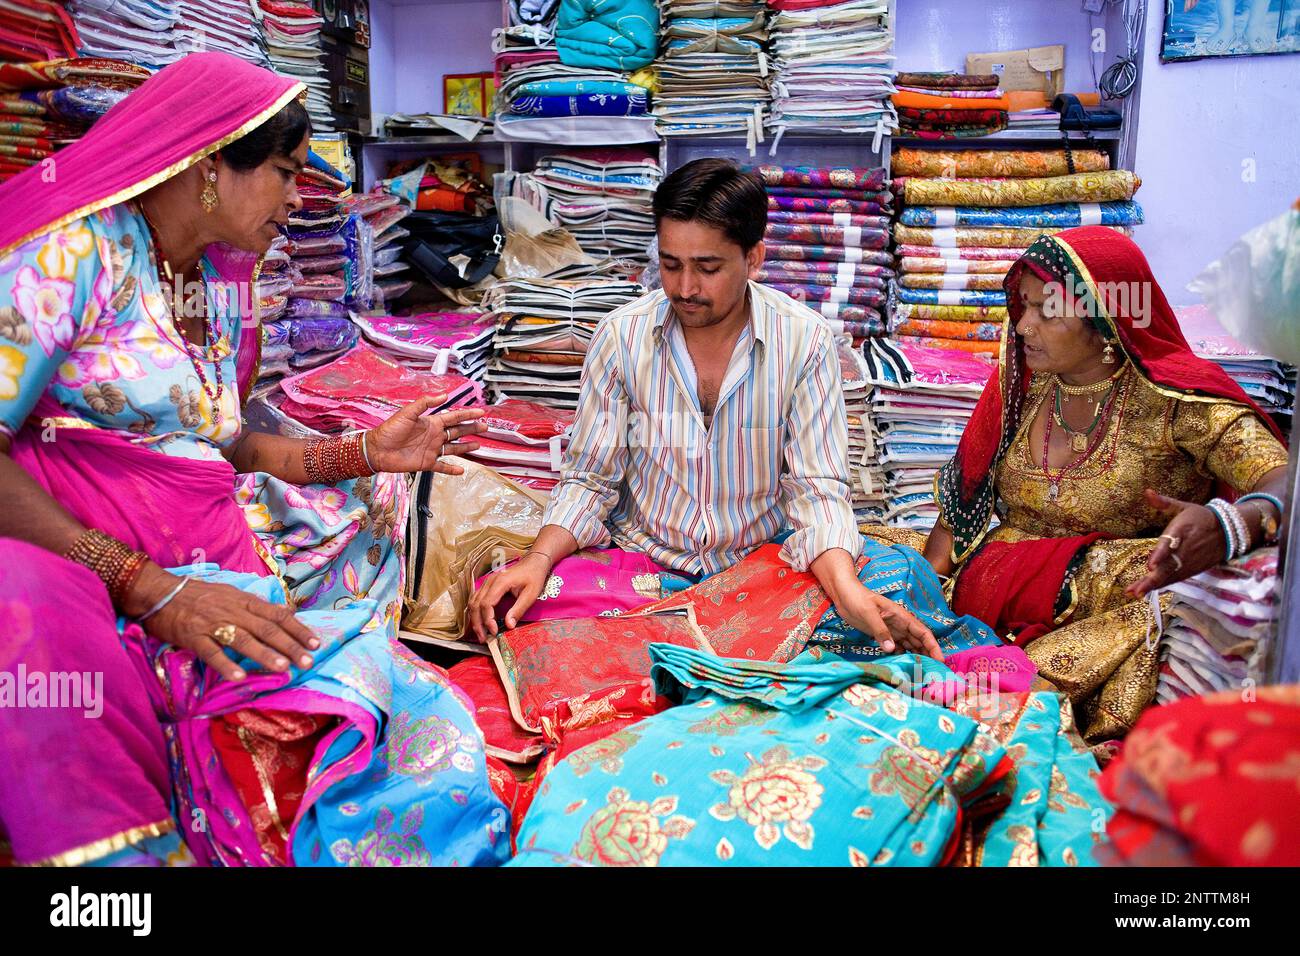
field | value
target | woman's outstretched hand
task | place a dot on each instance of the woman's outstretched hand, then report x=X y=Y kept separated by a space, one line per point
x=1192 y=542
x=415 y=441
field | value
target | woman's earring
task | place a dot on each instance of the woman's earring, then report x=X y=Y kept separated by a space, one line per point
x=1108 y=355
x=209 y=195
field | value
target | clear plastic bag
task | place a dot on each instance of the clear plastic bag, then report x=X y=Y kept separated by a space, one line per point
x=1254 y=288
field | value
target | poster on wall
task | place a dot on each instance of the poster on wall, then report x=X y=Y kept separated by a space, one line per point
x=1201 y=28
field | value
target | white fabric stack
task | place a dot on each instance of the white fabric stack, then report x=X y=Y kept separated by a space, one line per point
x=713 y=68
x=866 y=479
x=227 y=26
x=922 y=402
x=138 y=31
x=1219 y=629
x=293 y=45
x=834 y=67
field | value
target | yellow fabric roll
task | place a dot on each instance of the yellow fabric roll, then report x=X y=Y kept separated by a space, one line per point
x=935 y=280
x=1009 y=163
x=909 y=311
x=1105 y=186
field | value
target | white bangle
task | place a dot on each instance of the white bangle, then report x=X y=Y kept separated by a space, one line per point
x=167 y=599
x=366 y=454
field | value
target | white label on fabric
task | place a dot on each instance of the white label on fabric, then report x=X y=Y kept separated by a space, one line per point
x=839 y=294
x=1090 y=214
x=944 y=237
x=954 y=282
x=852 y=254
x=841 y=219
x=845 y=273
x=950 y=298
x=956 y=265
x=853 y=236
x=441 y=363
x=762 y=63
x=945 y=216
x=557 y=452
x=830 y=310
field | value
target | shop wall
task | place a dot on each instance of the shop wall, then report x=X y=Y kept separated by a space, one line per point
x=1201 y=121
x=424 y=40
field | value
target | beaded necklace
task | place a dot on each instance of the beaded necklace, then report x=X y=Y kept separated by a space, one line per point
x=210 y=330
x=1054 y=479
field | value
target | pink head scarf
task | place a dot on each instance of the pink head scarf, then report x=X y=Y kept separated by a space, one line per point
x=181 y=114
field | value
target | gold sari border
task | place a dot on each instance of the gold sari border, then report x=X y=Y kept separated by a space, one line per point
x=135 y=189
x=90 y=852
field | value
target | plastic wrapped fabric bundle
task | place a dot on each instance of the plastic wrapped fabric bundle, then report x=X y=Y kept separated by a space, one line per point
x=1118 y=213
x=461 y=526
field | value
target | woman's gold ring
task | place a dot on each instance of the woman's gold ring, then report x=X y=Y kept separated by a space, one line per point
x=1173 y=539
x=224 y=635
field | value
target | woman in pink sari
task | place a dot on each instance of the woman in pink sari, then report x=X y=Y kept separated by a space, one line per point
x=132 y=696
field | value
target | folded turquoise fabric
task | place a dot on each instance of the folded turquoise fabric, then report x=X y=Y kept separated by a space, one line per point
x=607 y=34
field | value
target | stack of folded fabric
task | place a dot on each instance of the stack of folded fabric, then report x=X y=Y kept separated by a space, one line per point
x=32 y=31
x=291 y=33
x=967 y=215
x=713 y=69
x=586 y=83
x=381 y=212
x=833 y=66
x=363 y=389
x=827 y=229
x=525 y=442
x=922 y=401
x=1272 y=384
x=137 y=31
x=603 y=197
x=543 y=328
x=949 y=105
x=228 y=26
x=866 y=483
x=531 y=28
x=48 y=104
x=1219 y=628
x=437 y=342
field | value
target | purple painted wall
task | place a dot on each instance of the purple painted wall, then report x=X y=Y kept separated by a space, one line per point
x=1200 y=121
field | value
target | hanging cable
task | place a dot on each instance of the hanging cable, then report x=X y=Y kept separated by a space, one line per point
x=1119 y=79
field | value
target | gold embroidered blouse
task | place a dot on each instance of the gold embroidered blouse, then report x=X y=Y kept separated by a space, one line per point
x=1177 y=446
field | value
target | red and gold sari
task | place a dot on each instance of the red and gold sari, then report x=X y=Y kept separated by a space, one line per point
x=1051 y=576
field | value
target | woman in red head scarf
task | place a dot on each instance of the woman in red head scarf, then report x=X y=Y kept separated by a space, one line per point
x=1100 y=446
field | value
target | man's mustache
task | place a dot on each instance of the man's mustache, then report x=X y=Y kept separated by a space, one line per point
x=704 y=302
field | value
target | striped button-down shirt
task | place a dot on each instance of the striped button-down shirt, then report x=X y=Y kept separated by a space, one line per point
x=642 y=465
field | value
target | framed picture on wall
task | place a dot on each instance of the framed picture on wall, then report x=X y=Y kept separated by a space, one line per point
x=466 y=94
x=1201 y=28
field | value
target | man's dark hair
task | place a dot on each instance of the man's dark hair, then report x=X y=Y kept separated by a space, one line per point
x=717 y=193
x=278 y=136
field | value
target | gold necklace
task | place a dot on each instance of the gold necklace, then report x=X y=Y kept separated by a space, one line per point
x=1089 y=391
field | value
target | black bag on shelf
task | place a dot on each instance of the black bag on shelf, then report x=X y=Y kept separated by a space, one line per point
x=1074 y=115
x=439 y=239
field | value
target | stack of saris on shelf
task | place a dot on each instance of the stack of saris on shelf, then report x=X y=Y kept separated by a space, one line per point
x=543 y=328
x=228 y=26
x=833 y=67
x=1272 y=384
x=438 y=342
x=920 y=406
x=525 y=442
x=713 y=69
x=827 y=231
x=291 y=32
x=1219 y=628
x=137 y=31
x=48 y=104
x=551 y=90
x=32 y=31
x=966 y=215
x=866 y=486
x=362 y=389
x=601 y=196
x=949 y=105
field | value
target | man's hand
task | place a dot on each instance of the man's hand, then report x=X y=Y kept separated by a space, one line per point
x=892 y=626
x=524 y=580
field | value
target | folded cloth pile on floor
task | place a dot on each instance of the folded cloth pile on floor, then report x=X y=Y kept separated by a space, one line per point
x=437 y=342
x=949 y=105
x=713 y=69
x=543 y=327
x=1219 y=628
x=525 y=442
x=601 y=196
x=137 y=31
x=921 y=404
x=967 y=215
x=291 y=32
x=827 y=229
x=833 y=69
x=363 y=388
x=48 y=104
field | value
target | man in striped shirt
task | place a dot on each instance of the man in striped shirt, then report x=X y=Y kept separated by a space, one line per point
x=710 y=418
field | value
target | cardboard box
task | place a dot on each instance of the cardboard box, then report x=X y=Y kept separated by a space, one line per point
x=1039 y=69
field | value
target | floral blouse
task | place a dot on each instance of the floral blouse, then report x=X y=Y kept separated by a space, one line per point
x=83 y=318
